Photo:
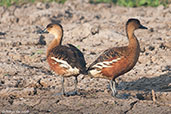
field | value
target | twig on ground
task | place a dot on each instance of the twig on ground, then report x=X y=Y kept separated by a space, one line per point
x=157 y=102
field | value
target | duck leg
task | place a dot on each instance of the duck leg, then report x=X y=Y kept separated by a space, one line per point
x=76 y=83
x=63 y=90
x=113 y=87
x=75 y=89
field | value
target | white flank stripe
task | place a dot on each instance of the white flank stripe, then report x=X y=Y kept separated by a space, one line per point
x=104 y=64
x=96 y=66
x=64 y=64
x=94 y=72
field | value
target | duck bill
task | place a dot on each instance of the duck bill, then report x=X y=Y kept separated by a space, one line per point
x=143 y=27
x=45 y=31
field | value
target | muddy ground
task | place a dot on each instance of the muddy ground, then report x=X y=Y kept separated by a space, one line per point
x=28 y=86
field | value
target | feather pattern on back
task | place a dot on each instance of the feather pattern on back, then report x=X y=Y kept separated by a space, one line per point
x=107 y=55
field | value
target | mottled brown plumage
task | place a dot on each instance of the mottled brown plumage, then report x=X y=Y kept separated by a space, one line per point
x=64 y=60
x=118 y=60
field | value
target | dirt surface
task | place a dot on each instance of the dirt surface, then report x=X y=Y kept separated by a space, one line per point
x=28 y=86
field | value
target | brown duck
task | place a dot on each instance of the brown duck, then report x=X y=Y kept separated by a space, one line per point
x=118 y=60
x=64 y=60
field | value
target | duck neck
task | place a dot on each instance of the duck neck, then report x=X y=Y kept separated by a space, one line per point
x=133 y=42
x=55 y=42
x=133 y=47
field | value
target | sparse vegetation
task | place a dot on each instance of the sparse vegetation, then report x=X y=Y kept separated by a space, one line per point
x=134 y=3
x=127 y=3
x=8 y=3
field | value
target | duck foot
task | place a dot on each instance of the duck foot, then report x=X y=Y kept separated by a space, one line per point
x=114 y=94
x=59 y=94
x=122 y=96
x=73 y=93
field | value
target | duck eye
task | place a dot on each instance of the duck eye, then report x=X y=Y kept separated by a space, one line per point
x=50 y=26
x=138 y=22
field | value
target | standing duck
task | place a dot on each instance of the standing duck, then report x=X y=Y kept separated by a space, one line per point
x=64 y=60
x=118 y=60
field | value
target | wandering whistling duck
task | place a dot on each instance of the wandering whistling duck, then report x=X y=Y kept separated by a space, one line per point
x=64 y=60
x=118 y=60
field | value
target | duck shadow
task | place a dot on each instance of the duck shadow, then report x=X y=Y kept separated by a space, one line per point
x=161 y=83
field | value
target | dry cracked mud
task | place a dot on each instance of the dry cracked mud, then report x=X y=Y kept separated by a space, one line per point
x=28 y=86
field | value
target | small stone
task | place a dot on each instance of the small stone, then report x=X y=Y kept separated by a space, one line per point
x=92 y=53
x=95 y=30
x=151 y=30
x=162 y=46
x=97 y=16
x=11 y=101
x=143 y=50
x=159 y=38
x=151 y=48
x=84 y=49
x=140 y=96
x=146 y=53
x=2 y=33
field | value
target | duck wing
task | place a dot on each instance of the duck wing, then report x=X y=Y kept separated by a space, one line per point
x=69 y=55
x=108 y=57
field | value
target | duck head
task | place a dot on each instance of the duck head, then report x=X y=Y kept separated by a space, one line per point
x=133 y=24
x=55 y=29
